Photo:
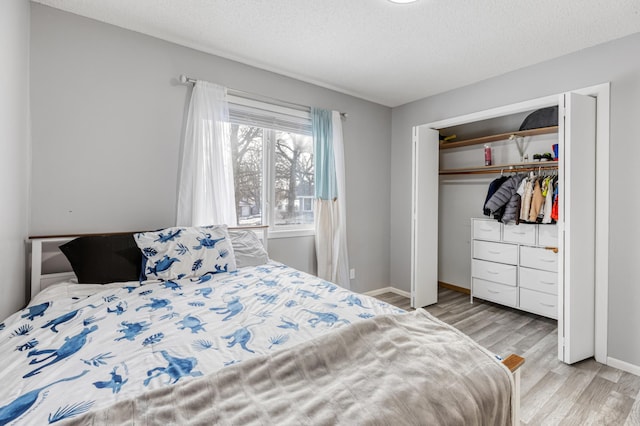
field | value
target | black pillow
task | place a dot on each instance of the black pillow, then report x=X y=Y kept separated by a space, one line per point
x=104 y=259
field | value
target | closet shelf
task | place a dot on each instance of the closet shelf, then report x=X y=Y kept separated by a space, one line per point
x=499 y=137
x=513 y=167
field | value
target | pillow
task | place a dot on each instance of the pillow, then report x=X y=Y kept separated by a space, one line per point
x=104 y=259
x=247 y=248
x=182 y=252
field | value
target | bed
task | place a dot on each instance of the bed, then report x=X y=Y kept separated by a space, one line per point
x=239 y=339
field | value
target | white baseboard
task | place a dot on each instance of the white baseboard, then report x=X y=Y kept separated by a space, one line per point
x=624 y=366
x=388 y=290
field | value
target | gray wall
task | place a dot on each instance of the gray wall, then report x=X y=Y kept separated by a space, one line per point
x=299 y=252
x=107 y=124
x=617 y=62
x=14 y=148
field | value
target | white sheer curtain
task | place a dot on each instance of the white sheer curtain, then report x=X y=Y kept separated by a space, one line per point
x=206 y=193
x=330 y=204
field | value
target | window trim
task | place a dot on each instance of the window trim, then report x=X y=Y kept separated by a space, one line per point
x=306 y=231
x=268 y=158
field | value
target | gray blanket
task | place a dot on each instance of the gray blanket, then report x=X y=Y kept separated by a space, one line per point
x=389 y=370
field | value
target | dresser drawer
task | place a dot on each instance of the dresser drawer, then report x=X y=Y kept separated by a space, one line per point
x=495 y=252
x=539 y=303
x=486 y=230
x=539 y=258
x=548 y=235
x=535 y=279
x=523 y=234
x=499 y=293
x=491 y=271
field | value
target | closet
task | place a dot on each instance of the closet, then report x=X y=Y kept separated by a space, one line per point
x=443 y=187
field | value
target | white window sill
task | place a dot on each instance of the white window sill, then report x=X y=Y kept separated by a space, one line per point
x=291 y=233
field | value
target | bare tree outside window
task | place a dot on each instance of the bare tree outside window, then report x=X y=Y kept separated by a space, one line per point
x=246 y=151
x=293 y=181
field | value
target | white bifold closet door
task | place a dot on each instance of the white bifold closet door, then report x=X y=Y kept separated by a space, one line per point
x=577 y=228
x=424 y=217
x=576 y=224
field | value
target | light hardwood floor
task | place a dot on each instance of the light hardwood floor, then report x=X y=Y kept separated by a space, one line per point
x=553 y=393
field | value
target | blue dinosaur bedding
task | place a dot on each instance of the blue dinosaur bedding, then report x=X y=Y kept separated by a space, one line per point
x=70 y=352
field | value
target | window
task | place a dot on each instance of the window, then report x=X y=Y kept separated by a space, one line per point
x=272 y=153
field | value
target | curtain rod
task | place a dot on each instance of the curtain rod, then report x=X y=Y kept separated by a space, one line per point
x=189 y=80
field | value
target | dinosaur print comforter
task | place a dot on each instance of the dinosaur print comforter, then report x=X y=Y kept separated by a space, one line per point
x=78 y=348
x=408 y=369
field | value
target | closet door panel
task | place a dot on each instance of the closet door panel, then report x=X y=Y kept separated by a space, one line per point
x=424 y=223
x=576 y=298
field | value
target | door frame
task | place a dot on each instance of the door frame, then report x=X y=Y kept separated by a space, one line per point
x=602 y=94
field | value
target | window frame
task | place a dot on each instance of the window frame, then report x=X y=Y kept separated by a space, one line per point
x=269 y=158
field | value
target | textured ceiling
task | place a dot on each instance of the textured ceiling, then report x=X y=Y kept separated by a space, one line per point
x=373 y=49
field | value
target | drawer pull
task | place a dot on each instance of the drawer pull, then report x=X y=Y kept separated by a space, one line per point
x=492 y=272
x=486 y=229
x=494 y=252
x=548 y=260
x=547 y=305
x=519 y=233
x=493 y=291
x=547 y=283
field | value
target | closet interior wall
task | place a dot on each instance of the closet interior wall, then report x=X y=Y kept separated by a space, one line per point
x=461 y=197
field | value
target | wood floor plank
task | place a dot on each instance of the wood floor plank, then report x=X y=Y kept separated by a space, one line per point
x=553 y=393
x=610 y=373
x=539 y=395
x=615 y=410
x=536 y=332
x=561 y=402
x=633 y=419
x=629 y=384
x=596 y=393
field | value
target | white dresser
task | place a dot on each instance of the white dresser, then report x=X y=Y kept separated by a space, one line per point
x=515 y=265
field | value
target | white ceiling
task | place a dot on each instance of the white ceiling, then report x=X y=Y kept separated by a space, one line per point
x=373 y=49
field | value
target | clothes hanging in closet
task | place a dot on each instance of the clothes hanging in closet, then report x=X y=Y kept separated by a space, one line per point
x=506 y=196
x=520 y=198
x=554 y=202
x=526 y=193
x=493 y=187
x=547 y=192
x=544 y=197
x=536 y=201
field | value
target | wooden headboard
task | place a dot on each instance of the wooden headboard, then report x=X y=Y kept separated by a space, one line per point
x=39 y=281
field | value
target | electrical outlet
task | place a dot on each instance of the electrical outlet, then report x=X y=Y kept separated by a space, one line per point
x=352 y=273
